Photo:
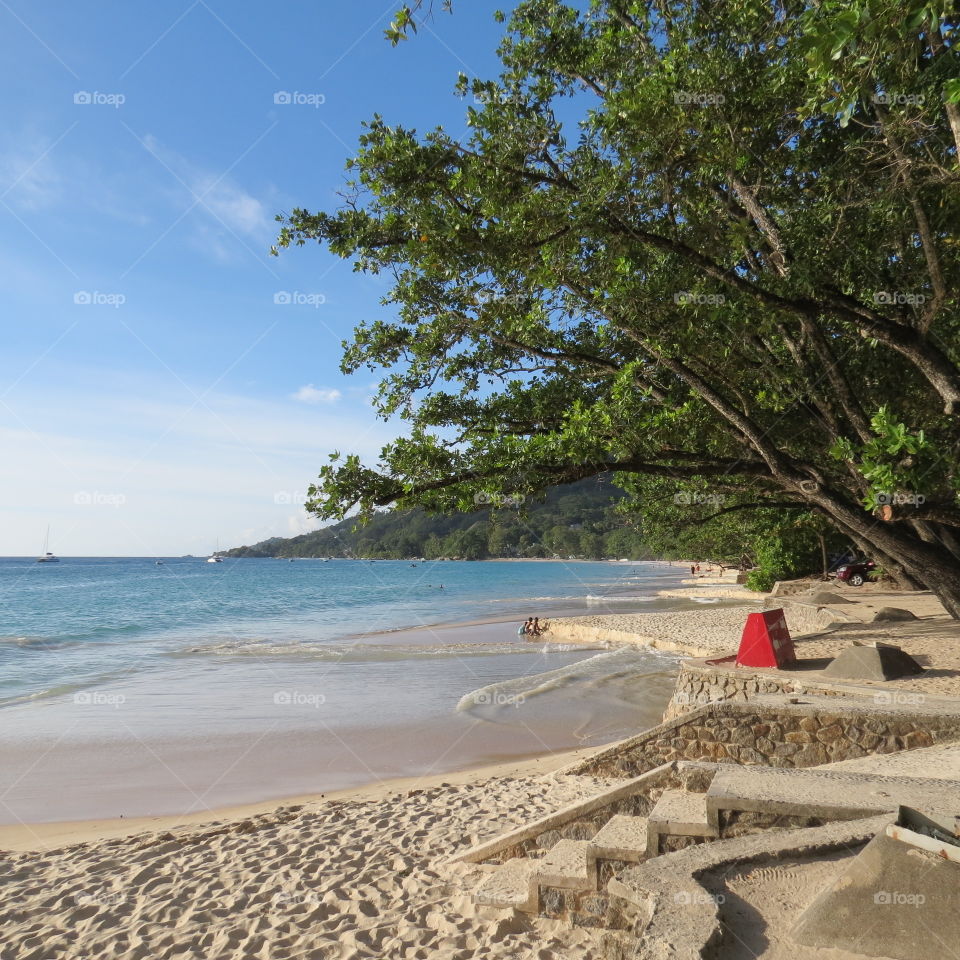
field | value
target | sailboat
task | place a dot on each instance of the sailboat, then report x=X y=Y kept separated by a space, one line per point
x=47 y=557
x=213 y=558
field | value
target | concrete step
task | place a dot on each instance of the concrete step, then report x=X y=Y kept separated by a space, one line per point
x=824 y=793
x=621 y=838
x=512 y=884
x=569 y=865
x=681 y=814
x=678 y=814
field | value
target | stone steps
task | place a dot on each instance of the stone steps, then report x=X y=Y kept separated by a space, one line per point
x=512 y=884
x=571 y=865
x=823 y=794
x=678 y=814
x=622 y=838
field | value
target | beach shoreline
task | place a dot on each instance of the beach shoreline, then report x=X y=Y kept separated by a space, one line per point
x=126 y=803
x=50 y=835
x=130 y=758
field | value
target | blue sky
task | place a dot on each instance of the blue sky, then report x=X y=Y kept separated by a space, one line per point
x=154 y=395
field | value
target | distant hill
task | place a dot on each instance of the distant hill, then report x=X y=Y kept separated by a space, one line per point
x=577 y=520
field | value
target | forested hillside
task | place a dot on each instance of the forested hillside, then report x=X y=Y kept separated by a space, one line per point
x=577 y=520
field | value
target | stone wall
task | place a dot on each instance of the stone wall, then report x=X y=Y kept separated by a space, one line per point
x=585 y=826
x=699 y=684
x=803 y=618
x=590 y=908
x=777 y=736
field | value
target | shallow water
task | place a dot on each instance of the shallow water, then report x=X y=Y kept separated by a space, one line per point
x=137 y=688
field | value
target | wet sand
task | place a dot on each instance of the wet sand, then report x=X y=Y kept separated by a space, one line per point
x=164 y=747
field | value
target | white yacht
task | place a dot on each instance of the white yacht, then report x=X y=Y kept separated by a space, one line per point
x=47 y=556
x=213 y=558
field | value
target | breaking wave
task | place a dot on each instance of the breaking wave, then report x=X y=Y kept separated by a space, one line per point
x=602 y=670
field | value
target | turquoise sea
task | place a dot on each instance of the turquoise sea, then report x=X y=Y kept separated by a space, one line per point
x=134 y=686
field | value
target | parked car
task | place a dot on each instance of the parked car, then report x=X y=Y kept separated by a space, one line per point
x=855 y=573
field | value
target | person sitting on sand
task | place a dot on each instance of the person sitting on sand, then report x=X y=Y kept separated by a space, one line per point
x=525 y=627
x=535 y=627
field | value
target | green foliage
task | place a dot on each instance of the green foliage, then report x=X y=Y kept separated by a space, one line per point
x=405 y=19
x=712 y=244
x=899 y=466
x=857 y=48
x=783 y=555
x=589 y=520
x=576 y=521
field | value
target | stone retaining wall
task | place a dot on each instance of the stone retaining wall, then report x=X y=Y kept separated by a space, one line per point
x=777 y=736
x=699 y=684
x=803 y=618
x=586 y=825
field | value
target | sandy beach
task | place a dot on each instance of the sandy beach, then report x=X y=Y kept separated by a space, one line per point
x=347 y=876
x=362 y=873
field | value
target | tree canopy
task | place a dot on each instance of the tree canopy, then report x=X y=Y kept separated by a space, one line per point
x=711 y=247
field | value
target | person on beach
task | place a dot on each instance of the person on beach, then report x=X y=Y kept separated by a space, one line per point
x=524 y=628
x=693 y=569
x=535 y=627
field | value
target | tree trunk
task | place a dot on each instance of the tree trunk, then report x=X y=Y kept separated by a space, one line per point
x=823 y=555
x=900 y=577
x=930 y=564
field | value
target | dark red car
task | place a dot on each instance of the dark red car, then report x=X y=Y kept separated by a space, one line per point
x=855 y=573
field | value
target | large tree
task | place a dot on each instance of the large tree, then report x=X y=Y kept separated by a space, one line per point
x=707 y=245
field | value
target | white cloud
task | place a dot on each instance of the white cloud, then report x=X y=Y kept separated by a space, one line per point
x=232 y=205
x=298 y=523
x=316 y=395
x=28 y=174
x=226 y=202
x=138 y=465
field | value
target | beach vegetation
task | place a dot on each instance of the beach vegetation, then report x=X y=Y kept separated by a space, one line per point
x=710 y=245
